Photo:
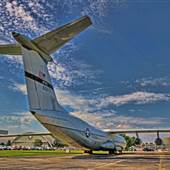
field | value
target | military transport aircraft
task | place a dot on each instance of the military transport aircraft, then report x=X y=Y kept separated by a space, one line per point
x=43 y=103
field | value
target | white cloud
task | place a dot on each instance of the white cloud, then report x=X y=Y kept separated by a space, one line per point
x=13 y=59
x=20 y=88
x=18 y=11
x=147 y=83
x=76 y=102
x=111 y=120
x=18 y=17
x=60 y=74
x=161 y=81
x=18 y=122
x=71 y=72
x=135 y=97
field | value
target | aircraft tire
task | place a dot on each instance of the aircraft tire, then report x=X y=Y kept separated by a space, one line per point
x=111 y=152
x=88 y=151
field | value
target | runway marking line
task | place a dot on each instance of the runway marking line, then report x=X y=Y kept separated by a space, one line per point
x=160 y=164
x=107 y=164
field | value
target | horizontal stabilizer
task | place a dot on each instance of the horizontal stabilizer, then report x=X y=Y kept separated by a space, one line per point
x=10 y=49
x=53 y=40
x=49 y=42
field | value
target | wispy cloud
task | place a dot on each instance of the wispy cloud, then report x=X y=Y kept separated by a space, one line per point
x=135 y=98
x=111 y=120
x=19 y=118
x=18 y=11
x=161 y=81
x=147 y=83
x=19 y=87
x=19 y=122
x=18 y=15
x=73 y=73
x=97 y=10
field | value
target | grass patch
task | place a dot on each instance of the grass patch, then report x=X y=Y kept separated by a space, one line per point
x=100 y=152
x=10 y=153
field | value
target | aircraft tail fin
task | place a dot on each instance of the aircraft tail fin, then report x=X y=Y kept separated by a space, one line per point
x=41 y=94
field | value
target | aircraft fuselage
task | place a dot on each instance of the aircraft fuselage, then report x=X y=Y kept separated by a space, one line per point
x=77 y=132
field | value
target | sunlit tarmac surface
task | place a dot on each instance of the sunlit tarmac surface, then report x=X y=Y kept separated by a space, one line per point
x=148 y=161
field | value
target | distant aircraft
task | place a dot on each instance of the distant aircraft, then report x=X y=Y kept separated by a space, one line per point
x=43 y=103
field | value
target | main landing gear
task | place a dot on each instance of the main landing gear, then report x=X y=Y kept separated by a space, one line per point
x=88 y=151
x=115 y=152
x=111 y=152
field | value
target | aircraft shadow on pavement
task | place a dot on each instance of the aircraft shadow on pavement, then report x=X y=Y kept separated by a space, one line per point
x=119 y=157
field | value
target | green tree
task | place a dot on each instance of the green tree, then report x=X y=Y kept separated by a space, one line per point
x=130 y=141
x=8 y=143
x=38 y=142
x=2 y=143
x=57 y=144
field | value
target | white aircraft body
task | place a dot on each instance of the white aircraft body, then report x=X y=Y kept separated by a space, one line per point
x=43 y=103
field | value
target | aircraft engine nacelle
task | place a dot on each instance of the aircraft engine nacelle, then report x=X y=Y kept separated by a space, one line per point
x=138 y=141
x=158 y=141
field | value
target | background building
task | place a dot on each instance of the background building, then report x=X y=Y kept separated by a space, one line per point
x=166 y=142
x=29 y=141
x=3 y=132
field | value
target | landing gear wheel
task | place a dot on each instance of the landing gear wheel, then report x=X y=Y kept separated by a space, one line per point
x=112 y=152
x=88 y=151
x=120 y=152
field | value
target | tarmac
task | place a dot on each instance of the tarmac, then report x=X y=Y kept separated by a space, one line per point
x=144 y=161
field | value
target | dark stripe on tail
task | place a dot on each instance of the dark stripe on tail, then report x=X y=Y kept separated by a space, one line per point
x=38 y=79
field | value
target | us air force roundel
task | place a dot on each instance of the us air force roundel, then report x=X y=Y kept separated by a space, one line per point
x=87 y=132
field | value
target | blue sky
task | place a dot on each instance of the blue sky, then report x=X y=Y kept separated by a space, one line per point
x=115 y=74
